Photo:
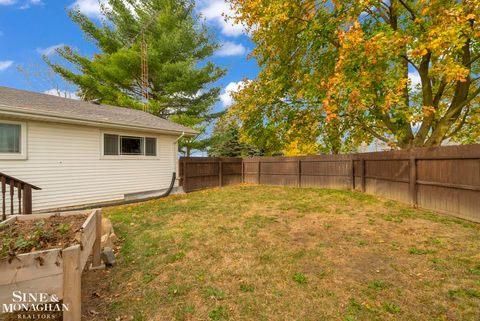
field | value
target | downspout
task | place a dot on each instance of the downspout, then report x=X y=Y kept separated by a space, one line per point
x=175 y=151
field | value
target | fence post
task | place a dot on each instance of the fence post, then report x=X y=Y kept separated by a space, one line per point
x=299 y=172
x=363 y=175
x=243 y=172
x=413 y=180
x=259 y=167
x=352 y=173
x=184 y=178
x=220 y=174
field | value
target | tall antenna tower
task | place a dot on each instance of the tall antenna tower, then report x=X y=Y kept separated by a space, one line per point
x=144 y=60
x=144 y=57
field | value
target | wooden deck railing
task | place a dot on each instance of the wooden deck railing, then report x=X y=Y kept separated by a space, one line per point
x=23 y=195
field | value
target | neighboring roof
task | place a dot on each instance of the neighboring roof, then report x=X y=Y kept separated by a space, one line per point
x=34 y=104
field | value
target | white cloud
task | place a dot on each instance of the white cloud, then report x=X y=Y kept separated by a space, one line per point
x=7 y=2
x=226 y=97
x=5 y=64
x=61 y=93
x=231 y=49
x=93 y=8
x=49 y=50
x=414 y=79
x=90 y=8
x=30 y=3
x=215 y=11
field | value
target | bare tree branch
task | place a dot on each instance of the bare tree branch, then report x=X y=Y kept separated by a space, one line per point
x=473 y=60
x=460 y=125
x=410 y=61
x=409 y=9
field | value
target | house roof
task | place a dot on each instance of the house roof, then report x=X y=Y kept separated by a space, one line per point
x=35 y=105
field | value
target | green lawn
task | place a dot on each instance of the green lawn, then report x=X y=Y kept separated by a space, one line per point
x=278 y=253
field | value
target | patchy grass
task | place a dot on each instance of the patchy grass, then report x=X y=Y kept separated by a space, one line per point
x=379 y=285
x=300 y=278
x=279 y=253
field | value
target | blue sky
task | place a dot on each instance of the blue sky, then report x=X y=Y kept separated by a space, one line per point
x=30 y=28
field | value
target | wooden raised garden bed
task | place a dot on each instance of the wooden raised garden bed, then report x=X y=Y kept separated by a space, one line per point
x=54 y=271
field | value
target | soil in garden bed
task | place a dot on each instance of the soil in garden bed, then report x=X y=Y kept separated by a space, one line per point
x=42 y=234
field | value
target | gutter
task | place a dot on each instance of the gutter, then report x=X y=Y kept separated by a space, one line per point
x=7 y=111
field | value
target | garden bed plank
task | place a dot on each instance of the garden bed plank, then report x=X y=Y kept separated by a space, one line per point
x=72 y=278
x=52 y=284
x=30 y=266
x=32 y=217
x=49 y=270
x=88 y=237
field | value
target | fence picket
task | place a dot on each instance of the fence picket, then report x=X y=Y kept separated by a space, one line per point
x=420 y=176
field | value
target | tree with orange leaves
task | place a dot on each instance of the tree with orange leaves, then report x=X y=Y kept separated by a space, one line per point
x=339 y=73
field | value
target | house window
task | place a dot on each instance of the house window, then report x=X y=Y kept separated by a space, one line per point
x=116 y=145
x=13 y=140
x=110 y=144
x=10 y=138
x=131 y=145
x=150 y=146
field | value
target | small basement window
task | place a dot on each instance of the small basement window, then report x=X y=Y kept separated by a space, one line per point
x=115 y=145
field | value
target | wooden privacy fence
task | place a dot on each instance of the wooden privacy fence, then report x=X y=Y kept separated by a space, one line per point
x=443 y=179
x=198 y=173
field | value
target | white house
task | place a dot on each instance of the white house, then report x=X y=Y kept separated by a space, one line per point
x=81 y=153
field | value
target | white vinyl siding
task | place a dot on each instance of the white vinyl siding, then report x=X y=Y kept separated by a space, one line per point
x=66 y=162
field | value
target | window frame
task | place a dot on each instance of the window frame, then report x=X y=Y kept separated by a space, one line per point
x=22 y=155
x=143 y=137
x=155 y=146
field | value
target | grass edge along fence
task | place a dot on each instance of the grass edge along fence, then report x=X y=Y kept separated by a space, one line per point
x=443 y=179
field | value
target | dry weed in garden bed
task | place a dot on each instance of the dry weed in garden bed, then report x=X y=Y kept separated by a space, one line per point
x=279 y=253
x=42 y=234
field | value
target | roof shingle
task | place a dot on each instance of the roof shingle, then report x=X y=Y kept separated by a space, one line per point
x=49 y=105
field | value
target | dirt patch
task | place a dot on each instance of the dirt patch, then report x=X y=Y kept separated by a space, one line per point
x=43 y=234
x=95 y=295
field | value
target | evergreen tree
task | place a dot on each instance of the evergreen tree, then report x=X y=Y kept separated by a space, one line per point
x=178 y=46
x=225 y=141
